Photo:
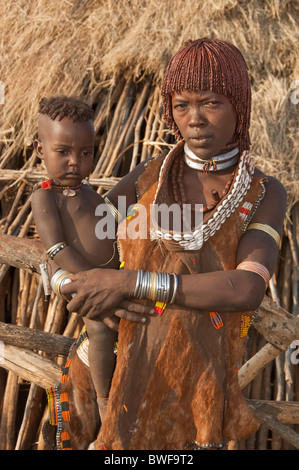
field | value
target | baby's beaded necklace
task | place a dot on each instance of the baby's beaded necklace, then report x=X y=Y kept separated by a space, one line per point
x=69 y=191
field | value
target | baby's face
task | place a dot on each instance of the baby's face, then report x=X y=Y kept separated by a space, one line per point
x=67 y=149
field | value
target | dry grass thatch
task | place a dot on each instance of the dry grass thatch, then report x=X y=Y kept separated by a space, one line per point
x=87 y=47
x=113 y=53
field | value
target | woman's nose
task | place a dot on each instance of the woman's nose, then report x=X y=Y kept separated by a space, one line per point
x=197 y=117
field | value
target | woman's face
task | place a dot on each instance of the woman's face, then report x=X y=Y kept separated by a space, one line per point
x=206 y=120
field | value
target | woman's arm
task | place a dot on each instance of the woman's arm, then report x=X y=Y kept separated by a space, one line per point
x=126 y=187
x=221 y=291
x=239 y=290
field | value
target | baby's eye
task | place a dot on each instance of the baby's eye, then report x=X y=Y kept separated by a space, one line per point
x=87 y=153
x=61 y=152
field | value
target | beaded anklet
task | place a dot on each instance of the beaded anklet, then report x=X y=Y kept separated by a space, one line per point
x=198 y=446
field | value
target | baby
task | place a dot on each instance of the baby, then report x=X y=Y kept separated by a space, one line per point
x=64 y=212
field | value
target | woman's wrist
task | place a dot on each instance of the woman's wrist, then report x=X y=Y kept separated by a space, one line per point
x=128 y=282
x=155 y=286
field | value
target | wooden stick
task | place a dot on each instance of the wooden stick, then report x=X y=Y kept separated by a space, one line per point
x=137 y=139
x=121 y=140
x=252 y=367
x=267 y=415
x=15 y=226
x=115 y=122
x=31 y=366
x=30 y=418
x=139 y=105
x=21 y=253
x=24 y=337
x=153 y=101
x=14 y=206
x=287 y=412
x=277 y=325
x=9 y=410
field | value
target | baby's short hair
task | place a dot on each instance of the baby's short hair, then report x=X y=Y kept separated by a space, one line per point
x=59 y=107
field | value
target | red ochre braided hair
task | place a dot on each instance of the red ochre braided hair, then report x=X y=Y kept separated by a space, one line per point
x=210 y=65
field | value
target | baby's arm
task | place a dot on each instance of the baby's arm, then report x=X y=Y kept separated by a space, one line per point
x=50 y=229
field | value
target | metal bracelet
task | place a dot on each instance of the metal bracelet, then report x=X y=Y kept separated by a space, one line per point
x=51 y=252
x=58 y=280
x=175 y=288
x=154 y=286
x=136 y=291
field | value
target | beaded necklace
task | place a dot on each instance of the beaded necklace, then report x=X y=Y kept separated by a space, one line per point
x=235 y=193
x=178 y=190
x=69 y=191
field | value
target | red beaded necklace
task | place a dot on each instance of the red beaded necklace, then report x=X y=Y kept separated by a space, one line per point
x=49 y=183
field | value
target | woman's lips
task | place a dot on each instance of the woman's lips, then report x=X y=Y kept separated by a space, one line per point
x=201 y=139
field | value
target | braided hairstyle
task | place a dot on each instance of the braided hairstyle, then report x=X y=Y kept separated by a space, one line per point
x=210 y=65
x=65 y=106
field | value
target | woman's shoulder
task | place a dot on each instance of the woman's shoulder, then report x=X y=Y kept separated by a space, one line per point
x=273 y=206
x=127 y=186
x=272 y=185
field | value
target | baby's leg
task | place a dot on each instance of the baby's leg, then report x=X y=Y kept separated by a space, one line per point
x=101 y=359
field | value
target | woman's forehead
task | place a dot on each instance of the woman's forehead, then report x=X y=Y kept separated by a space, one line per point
x=201 y=94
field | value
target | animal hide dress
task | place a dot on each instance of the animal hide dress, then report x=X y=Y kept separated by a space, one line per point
x=175 y=384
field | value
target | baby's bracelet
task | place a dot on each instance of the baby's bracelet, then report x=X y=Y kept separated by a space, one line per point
x=51 y=252
x=155 y=286
x=59 y=279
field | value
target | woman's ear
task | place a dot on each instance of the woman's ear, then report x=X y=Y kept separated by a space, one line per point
x=38 y=147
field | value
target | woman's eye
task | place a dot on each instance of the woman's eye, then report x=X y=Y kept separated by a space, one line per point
x=180 y=106
x=212 y=103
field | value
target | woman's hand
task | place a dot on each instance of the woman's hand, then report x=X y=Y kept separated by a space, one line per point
x=128 y=310
x=102 y=293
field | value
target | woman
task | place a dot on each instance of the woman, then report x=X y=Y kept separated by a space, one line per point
x=175 y=385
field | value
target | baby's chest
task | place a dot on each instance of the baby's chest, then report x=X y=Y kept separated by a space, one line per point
x=81 y=214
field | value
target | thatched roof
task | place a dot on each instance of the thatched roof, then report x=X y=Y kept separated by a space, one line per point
x=89 y=47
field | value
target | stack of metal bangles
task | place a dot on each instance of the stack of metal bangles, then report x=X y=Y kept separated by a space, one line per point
x=156 y=286
x=59 y=279
x=151 y=286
